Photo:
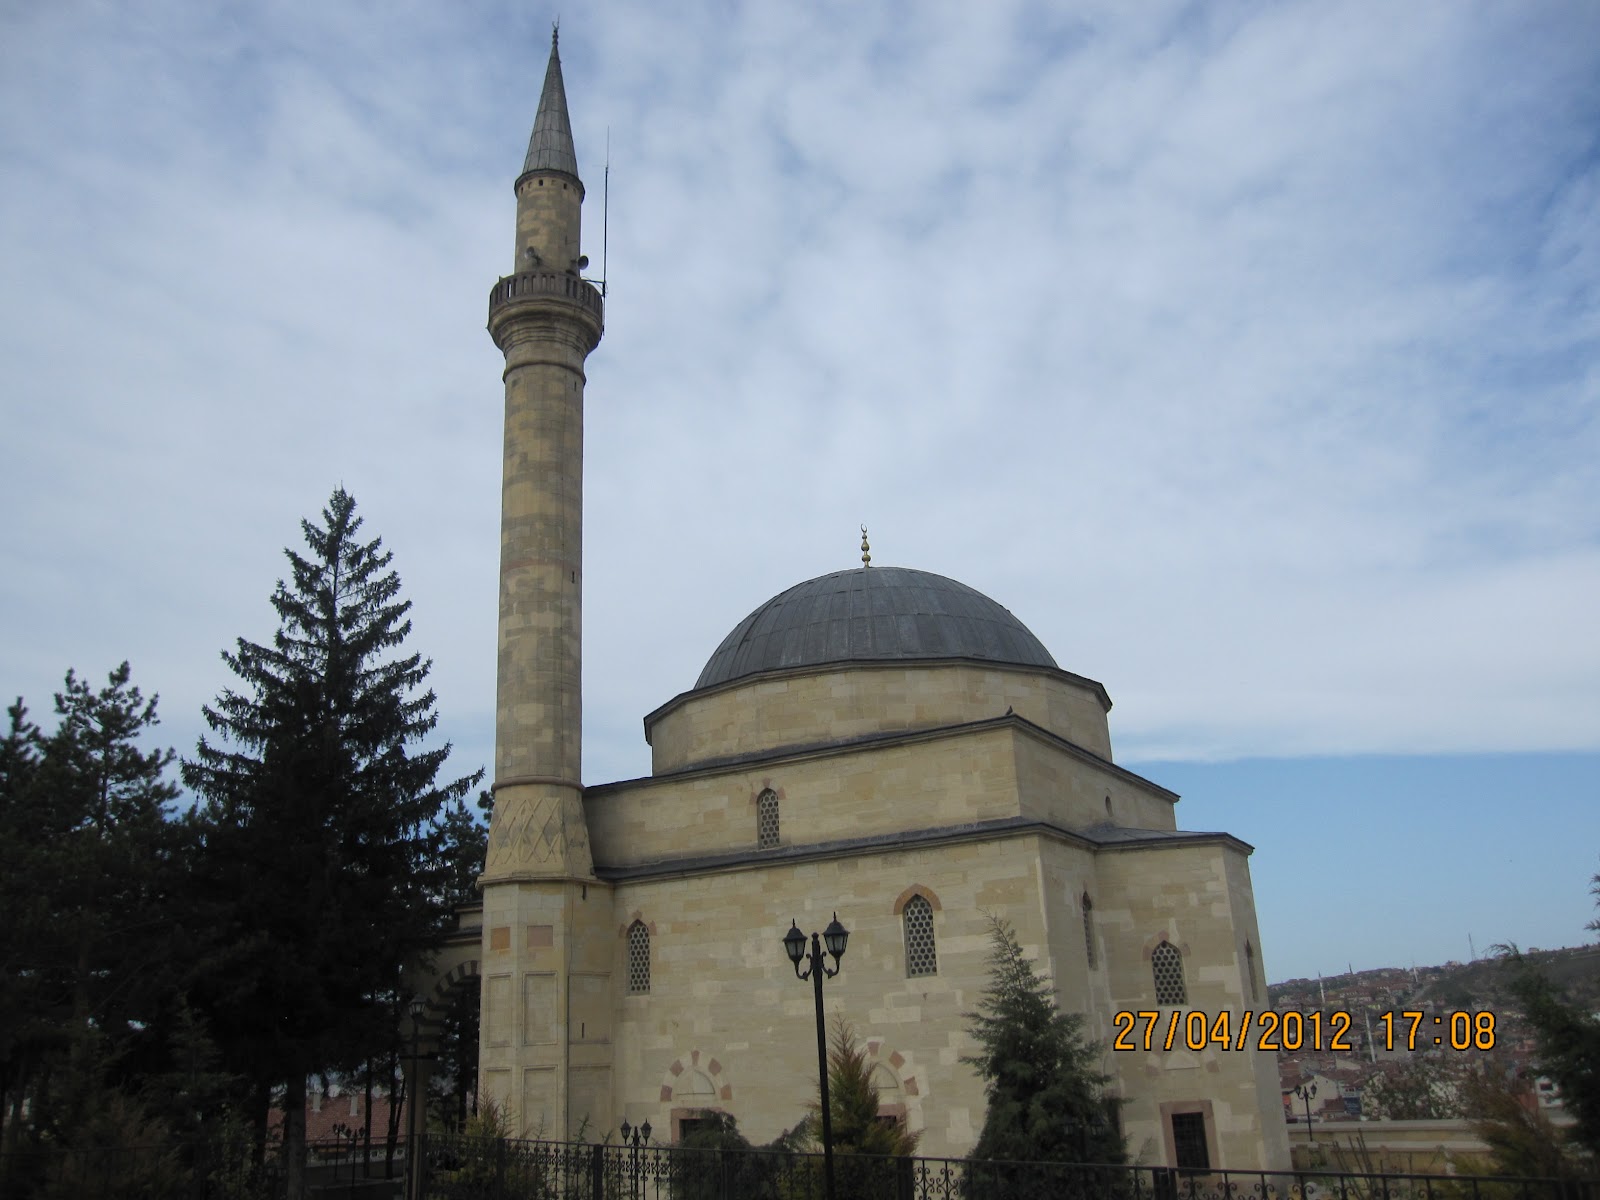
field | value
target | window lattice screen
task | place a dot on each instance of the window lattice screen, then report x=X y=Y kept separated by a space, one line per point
x=921 y=956
x=638 y=958
x=1167 y=965
x=767 y=820
x=1189 y=1141
x=1088 y=929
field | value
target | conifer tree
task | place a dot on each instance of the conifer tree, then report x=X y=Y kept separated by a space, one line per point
x=1046 y=1098
x=853 y=1102
x=316 y=831
x=84 y=850
x=22 y=930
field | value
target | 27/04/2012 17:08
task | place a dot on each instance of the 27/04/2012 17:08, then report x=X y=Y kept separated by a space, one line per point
x=1271 y=1031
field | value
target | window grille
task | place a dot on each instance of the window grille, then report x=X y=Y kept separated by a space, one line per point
x=1167 y=965
x=638 y=958
x=1189 y=1141
x=1250 y=970
x=1088 y=929
x=767 y=820
x=921 y=957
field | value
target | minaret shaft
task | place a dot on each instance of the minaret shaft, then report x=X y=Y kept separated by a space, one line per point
x=546 y=320
x=545 y=915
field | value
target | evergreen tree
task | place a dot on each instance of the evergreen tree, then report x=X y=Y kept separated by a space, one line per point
x=316 y=836
x=85 y=850
x=1568 y=1045
x=853 y=1103
x=1046 y=1099
x=22 y=931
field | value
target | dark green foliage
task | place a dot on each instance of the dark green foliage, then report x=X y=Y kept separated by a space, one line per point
x=463 y=843
x=1568 y=1044
x=1046 y=1100
x=318 y=860
x=454 y=1081
x=85 y=860
x=22 y=987
x=1521 y=1140
x=853 y=1103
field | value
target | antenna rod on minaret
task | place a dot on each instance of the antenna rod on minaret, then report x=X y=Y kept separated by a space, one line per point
x=605 y=221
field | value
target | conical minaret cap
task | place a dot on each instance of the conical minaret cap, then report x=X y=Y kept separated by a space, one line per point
x=550 y=147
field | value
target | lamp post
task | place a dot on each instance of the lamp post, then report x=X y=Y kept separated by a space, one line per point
x=417 y=1100
x=1305 y=1091
x=794 y=944
x=634 y=1137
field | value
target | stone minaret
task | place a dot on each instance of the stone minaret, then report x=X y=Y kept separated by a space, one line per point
x=538 y=878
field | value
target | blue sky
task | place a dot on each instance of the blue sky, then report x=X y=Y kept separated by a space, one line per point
x=1250 y=355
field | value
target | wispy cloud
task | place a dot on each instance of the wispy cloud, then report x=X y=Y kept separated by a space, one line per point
x=1249 y=356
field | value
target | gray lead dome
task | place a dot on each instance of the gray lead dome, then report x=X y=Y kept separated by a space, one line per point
x=873 y=614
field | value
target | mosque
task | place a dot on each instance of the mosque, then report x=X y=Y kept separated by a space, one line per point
x=880 y=742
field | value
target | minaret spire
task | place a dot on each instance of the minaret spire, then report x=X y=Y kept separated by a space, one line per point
x=550 y=148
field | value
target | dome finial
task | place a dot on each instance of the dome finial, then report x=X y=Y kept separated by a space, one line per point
x=866 y=555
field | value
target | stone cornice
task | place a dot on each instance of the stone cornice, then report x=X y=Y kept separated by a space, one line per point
x=977 y=831
x=872 y=741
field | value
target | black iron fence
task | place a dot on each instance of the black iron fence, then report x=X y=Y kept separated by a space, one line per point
x=456 y=1168
x=341 y=1168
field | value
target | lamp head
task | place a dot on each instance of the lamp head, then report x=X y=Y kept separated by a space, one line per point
x=836 y=936
x=644 y=1131
x=794 y=944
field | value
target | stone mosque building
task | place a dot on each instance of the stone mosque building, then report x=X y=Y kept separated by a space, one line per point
x=882 y=742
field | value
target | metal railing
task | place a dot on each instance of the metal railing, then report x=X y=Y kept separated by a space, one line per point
x=560 y=284
x=456 y=1167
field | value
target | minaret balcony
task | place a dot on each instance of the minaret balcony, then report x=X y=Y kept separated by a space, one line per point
x=546 y=285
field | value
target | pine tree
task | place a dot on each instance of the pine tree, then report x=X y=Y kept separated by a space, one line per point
x=22 y=932
x=1046 y=1099
x=853 y=1102
x=316 y=835
x=84 y=851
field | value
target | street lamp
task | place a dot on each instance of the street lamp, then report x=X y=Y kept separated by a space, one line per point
x=634 y=1137
x=1305 y=1091
x=794 y=944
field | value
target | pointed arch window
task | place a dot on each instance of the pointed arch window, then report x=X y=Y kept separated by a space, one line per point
x=638 y=958
x=1166 y=964
x=922 y=957
x=767 y=820
x=1088 y=929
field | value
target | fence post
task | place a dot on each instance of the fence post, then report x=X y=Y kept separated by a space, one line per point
x=597 y=1172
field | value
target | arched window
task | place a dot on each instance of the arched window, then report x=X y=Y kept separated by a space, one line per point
x=1250 y=970
x=1088 y=929
x=1166 y=963
x=921 y=956
x=638 y=958
x=767 y=820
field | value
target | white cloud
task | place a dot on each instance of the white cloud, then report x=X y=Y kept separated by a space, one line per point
x=1248 y=355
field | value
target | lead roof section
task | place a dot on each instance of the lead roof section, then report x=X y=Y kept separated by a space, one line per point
x=550 y=148
x=873 y=614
